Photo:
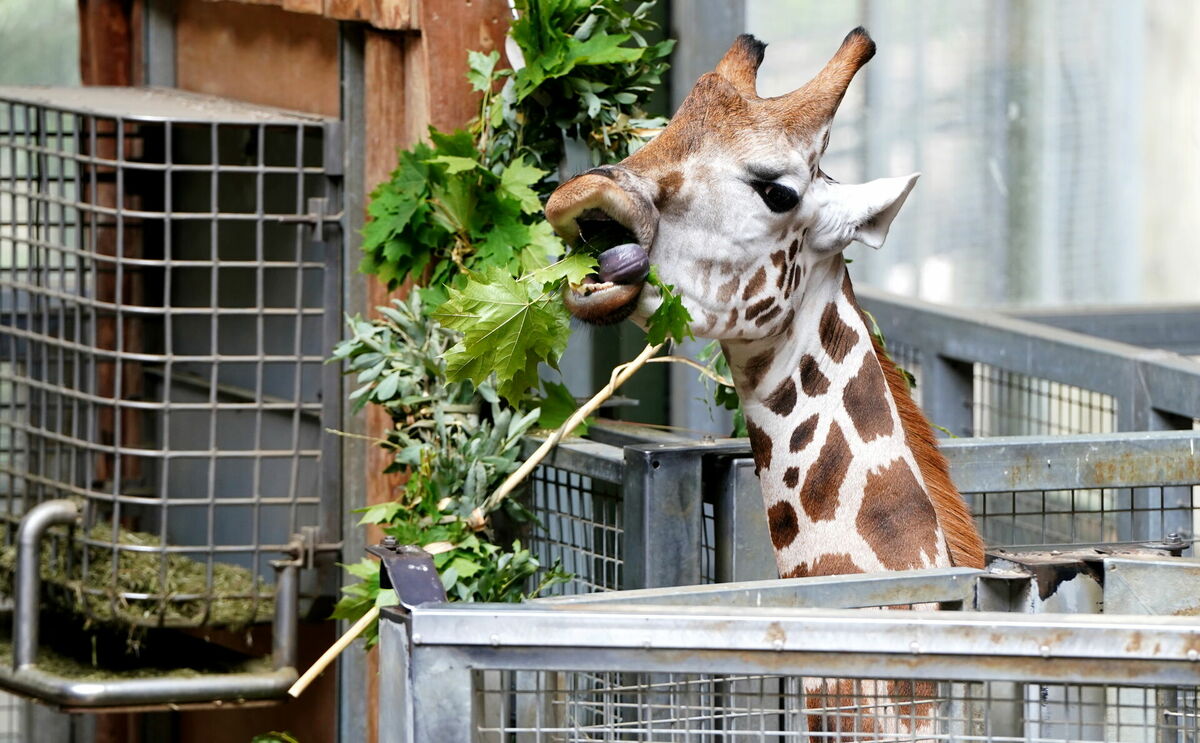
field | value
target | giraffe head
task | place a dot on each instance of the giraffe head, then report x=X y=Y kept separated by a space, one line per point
x=730 y=201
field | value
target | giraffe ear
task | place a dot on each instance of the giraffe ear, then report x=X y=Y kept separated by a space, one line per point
x=870 y=207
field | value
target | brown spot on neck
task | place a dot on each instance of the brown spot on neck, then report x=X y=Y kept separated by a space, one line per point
x=757 y=366
x=803 y=435
x=896 y=518
x=756 y=283
x=782 y=523
x=835 y=563
x=812 y=381
x=760 y=445
x=837 y=337
x=865 y=398
x=819 y=495
x=783 y=400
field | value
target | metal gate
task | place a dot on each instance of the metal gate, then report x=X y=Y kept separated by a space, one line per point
x=169 y=288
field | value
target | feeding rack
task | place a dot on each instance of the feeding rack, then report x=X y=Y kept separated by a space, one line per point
x=169 y=287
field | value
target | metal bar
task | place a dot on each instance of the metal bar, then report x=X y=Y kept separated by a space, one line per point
x=830 y=592
x=1118 y=369
x=589 y=458
x=442 y=698
x=1170 y=327
x=908 y=633
x=663 y=516
x=1069 y=462
x=98 y=694
x=29 y=577
x=284 y=638
x=395 y=701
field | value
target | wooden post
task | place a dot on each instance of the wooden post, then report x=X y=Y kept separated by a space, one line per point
x=414 y=80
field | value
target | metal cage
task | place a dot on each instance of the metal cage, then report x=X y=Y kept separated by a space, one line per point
x=1013 y=657
x=169 y=289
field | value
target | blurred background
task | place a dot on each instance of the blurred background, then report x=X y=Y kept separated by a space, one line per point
x=1059 y=142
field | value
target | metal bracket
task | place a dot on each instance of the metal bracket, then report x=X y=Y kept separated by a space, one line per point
x=411 y=572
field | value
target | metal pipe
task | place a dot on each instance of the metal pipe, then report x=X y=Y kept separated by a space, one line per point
x=29 y=578
x=284 y=631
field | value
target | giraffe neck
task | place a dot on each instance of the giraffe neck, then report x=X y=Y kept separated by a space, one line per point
x=843 y=489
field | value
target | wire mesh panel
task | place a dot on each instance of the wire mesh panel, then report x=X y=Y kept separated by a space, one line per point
x=1009 y=404
x=579 y=525
x=162 y=331
x=627 y=707
x=1083 y=516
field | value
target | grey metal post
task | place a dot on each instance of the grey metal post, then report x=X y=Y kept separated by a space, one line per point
x=395 y=701
x=663 y=516
x=744 y=550
x=947 y=390
x=352 y=667
x=442 y=694
x=287 y=601
x=29 y=578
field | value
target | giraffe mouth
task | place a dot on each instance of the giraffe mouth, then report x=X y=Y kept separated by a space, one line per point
x=611 y=294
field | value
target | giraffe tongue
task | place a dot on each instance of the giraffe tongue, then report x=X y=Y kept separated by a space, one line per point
x=624 y=264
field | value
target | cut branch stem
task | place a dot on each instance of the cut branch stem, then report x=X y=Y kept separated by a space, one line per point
x=333 y=652
x=619 y=376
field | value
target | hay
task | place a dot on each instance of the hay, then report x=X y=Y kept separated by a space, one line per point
x=96 y=597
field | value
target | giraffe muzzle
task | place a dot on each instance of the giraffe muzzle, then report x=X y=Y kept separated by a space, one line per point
x=611 y=294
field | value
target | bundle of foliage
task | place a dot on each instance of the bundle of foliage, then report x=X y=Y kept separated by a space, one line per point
x=455 y=452
x=461 y=216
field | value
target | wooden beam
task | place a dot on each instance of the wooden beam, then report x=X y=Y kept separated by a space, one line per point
x=412 y=80
x=105 y=42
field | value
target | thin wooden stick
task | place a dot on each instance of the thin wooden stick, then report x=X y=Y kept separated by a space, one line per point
x=343 y=642
x=695 y=365
x=478 y=517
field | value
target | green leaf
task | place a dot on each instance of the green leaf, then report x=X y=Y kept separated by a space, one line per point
x=671 y=319
x=573 y=268
x=557 y=406
x=516 y=180
x=380 y=513
x=455 y=164
x=481 y=67
x=508 y=328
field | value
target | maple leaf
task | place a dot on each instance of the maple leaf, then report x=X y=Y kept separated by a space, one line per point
x=671 y=319
x=516 y=180
x=508 y=327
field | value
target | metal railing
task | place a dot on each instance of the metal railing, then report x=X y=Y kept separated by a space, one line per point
x=754 y=661
x=982 y=373
x=671 y=514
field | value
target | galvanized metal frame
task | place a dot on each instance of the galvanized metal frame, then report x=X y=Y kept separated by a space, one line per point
x=432 y=653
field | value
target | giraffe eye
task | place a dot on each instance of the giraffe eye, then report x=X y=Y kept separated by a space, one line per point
x=777 y=197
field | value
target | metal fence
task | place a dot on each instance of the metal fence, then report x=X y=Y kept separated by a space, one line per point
x=801 y=659
x=983 y=373
x=168 y=294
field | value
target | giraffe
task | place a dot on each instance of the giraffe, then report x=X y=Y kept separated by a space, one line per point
x=731 y=205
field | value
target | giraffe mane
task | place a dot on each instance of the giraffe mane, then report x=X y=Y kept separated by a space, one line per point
x=962 y=538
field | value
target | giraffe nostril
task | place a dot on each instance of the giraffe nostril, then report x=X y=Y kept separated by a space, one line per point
x=624 y=264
